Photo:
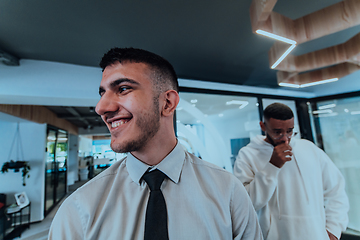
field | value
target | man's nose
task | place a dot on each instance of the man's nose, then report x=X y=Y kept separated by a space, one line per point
x=107 y=103
x=284 y=138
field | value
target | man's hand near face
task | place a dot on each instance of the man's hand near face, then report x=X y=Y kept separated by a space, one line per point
x=281 y=154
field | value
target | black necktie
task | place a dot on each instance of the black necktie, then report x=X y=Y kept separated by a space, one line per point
x=156 y=215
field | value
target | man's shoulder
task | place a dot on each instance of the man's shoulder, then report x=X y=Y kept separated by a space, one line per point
x=206 y=168
x=304 y=143
x=103 y=178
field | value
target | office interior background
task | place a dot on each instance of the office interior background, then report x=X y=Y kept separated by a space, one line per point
x=49 y=79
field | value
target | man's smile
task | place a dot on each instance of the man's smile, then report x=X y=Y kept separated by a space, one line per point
x=119 y=122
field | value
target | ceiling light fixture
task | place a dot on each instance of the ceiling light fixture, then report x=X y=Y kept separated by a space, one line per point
x=319 y=82
x=322 y=111
x=283 y=56
x=282 y=39
x=276 y=37
x=282 y=84
x=355 y=112
x=293 y=85
x=332 y=105
x=238 y=102
x=193 y=100
x=328 y=115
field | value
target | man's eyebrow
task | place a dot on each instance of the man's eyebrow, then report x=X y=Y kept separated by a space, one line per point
x=122 y=80
x=118 y=82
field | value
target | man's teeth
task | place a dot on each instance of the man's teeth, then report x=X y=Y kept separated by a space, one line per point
x=118 y=123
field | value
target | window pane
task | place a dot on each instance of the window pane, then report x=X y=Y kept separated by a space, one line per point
x=215 y=127
x=339 y=123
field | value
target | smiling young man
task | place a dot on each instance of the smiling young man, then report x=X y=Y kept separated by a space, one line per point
x=297 y=191
x=139 y=94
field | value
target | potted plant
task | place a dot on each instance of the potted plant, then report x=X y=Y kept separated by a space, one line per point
x=16 y=165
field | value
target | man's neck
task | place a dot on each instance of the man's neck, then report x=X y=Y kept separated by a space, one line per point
x=155 y=151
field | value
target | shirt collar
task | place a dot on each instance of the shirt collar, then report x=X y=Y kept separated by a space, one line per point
x=171 y=165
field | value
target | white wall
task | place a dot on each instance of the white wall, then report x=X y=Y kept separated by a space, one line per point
x=33 y=142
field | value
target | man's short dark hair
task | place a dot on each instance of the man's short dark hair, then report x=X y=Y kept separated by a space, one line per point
x=164 y=74
x=278 y=111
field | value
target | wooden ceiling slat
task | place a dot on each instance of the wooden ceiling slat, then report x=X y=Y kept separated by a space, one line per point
x=337 y=71
x=333 y=62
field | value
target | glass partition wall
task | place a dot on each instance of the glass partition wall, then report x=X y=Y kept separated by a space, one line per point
x=337 y=127
x=214 y=127
x=55 y=167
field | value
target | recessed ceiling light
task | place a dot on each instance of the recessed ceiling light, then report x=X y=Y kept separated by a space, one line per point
x=193 y=100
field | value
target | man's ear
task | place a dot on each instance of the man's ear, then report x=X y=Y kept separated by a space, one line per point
x=171 y=100
x=262 y=125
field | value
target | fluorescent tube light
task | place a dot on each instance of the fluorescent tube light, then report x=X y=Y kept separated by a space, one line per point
x=332 y=105
x=322 y=111
x=308 y=84
x=328 y=115
x=283 y=56
x=289 y=85
x=319 y=82
x=277 y=37
x=355 y=112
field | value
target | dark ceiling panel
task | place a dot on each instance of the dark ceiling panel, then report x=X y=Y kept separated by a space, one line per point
x=208 y=40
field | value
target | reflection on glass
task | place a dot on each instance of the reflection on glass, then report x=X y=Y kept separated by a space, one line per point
x=50 y=156
x=55 y=167
x=339 y=123
x=61 y=163
x=215 y=127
